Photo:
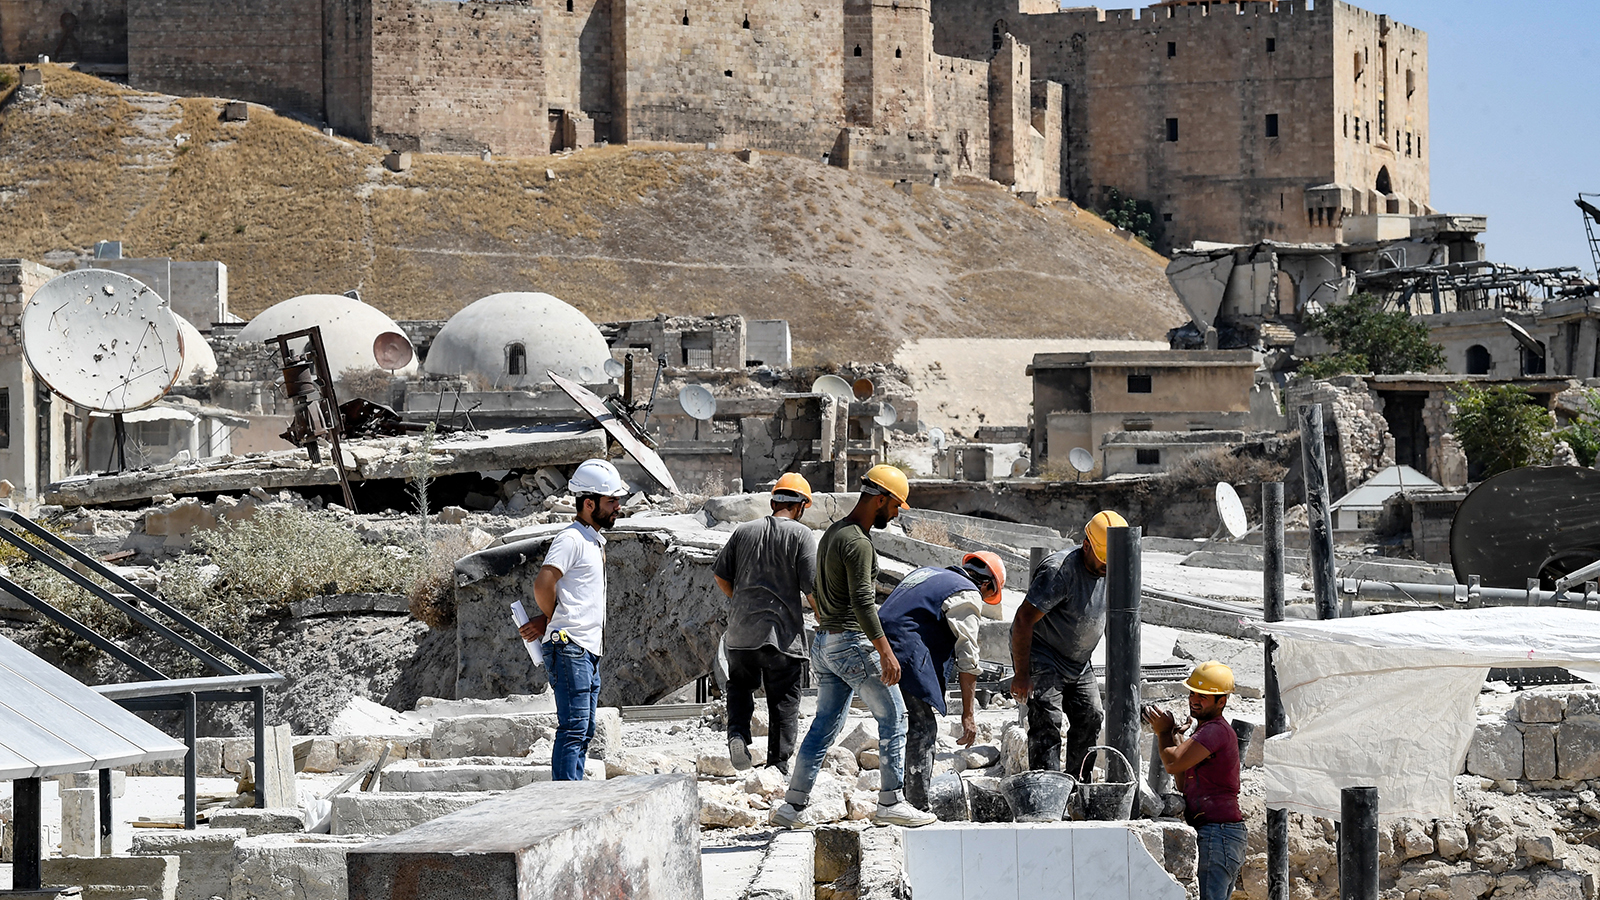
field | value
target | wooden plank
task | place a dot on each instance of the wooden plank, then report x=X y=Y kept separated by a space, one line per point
x=276 y=784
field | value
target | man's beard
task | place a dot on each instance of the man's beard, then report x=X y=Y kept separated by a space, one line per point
x=603 y=520
x=881 y=520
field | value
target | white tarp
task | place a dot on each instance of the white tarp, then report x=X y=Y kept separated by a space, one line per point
x=1391 y=700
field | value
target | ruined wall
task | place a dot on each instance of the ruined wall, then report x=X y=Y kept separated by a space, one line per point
x=87 y=31
x=268 y=51
x=960 y=92
x=458 y=77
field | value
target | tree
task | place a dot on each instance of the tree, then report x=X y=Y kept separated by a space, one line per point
x=1502 y=427
x=1371 y=339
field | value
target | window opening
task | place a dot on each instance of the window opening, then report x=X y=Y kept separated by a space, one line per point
x=686 y=17
x=858 y=49
x=1272 y=124
x=517 y=360
x=999 y=33
x=1147 y=456
x=1139 y=384
x=1272 y=45
x=1384 y=185
x=1166 y=217
x=1172 y=49
x=897 y=53
x=5 y=417
x=1172 y=130
x=746 y=24
x=727 y=73
x=1479 y=362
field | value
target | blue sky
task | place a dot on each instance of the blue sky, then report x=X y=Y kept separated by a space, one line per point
x=1514 y=118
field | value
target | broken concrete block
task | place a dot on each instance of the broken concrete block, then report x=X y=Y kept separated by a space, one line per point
x=716 y=764
x=80 y=822
x=291 y=867
x=1539 y=752
x=398 y=161
x=288 y=820
x=1536 y=707
x=727 y=806
x=1578 y=747
x=1496 y=750
x=1200 y=284
x=386 y=813
x=205 y=858
x=236 y=111
x=863 y=737
x=179 y=521
x=788 y=869
x=114 y=877
x=637 y=838
x=840 y=761
x=464 y=778
x=461 y=736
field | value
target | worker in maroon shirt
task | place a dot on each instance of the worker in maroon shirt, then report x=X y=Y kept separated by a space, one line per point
x=1205 y=766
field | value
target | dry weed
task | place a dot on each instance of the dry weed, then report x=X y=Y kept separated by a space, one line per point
x=1208 y=467
x=433 y=588
x=930 y=533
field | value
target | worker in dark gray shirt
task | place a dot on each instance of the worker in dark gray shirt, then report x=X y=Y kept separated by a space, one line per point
x=1053 y=635
x=766 y=567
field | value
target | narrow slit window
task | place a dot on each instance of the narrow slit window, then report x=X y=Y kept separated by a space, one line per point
x=1172 y=49
x=858 y=49
x=897 y=53
x=746 y=24
x=516 y=360
x=1272 y=45
x=686 y=17
x=1172 y=130
x=1272 y=124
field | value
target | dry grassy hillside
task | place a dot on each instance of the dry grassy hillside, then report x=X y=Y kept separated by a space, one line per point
x=621 y=232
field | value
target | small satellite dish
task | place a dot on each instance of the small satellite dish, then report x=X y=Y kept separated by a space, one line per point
x=392 y=350
x=887 y=415
x=613 y=369
x=1524 y=338
x=936 y=438
x=863 y=388
x=1081 y=459
x=835 y=386
x=1019 y=467
x=1231 y=510
x=102 y=340
x=698 y=402
x=588 y=375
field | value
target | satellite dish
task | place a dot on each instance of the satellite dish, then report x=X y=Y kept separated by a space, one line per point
x=1524 y=338
x=392 y=350
x=1081 y=459
x=936 y=438
x=887 y=415
x=698 y=402
x=863 y=388
x=102 y=340
x=588 y=375
x=834 y=386
x=1231 y=510
x=612 y=368
x=1019 y=467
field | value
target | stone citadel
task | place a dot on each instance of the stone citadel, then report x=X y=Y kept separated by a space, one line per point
x=1264 y=119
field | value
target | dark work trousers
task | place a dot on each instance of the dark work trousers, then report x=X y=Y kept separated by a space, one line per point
x=922 y=741
x=1055 y=695
x=747 y=670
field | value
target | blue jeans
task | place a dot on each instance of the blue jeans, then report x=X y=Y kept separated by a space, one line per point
x=846 y=664
x=1221 y=854
x=575 y=681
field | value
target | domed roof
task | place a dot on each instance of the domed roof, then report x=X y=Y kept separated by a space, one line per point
x=510 y=340
x=197 y=356
x=348 y=329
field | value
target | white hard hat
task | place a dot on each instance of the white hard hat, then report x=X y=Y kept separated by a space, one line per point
x=597 y=476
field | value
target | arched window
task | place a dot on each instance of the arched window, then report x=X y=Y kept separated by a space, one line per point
x=1384 y=185
x=1479 y=362
x=516 y=360
x=999 y=32
x=1533 y=363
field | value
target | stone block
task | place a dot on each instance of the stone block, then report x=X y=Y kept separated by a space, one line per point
x=461 y=736
x=1581 y=702
x=1539 y=707
x=637 y=837
x=1578 y=747
x=205 y=858
x=607 y=731
x=1496 y=750
x=176 y=523
x=291 y=867
x=235 y=751
x=399 y=161
x=321 y=754
x=208 y=758
x=787 y=870
x=80 y=822
x=837 y=850
x=453 y=779
x=114 y=877
x=385 y=813
x=1539 y=752
x=236 y=111
x=276 y=784
x=259 y=821
x=882 y=872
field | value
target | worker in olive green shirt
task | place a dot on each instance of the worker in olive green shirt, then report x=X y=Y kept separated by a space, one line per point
x=851 y=655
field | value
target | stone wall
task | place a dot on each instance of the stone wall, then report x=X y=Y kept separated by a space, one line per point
x=1359 y=445
x=268 y=51
x=1550 y=737
x=83 y=31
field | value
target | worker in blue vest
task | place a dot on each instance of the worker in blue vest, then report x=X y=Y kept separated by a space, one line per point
x=931 y=618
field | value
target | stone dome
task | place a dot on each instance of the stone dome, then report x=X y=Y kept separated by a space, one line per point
x=510 y=340
x=348 y=329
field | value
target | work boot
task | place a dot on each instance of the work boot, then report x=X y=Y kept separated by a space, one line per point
x=902 y=813
x=790 y=817
x=739 y=752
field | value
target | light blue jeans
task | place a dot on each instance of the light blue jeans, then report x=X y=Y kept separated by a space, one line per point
x=575 y=682
x=1222 y=847
x=846 y=664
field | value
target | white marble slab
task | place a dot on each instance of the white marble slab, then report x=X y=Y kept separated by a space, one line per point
x=989 y=862
x=1044 y=861
x=1100 y=863
x=934 y=861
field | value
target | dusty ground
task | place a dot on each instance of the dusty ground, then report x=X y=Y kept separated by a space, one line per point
x=855 y=266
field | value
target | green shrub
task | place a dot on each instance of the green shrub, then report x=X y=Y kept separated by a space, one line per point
x=283 y=555
x=1502 y=427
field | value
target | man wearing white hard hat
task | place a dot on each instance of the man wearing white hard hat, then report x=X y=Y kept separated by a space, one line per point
x=571 y=592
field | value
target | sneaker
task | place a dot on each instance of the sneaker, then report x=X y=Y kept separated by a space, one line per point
x=902 y=813
x=789 y=817
x=739 y=752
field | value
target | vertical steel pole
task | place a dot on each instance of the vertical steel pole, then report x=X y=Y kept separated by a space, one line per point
x=105 y=812
x=1272 y=609
x=1358 y=843
x=259 y=703
x=1123 y=577
x=191 y=800
x=1036 y=557
x=25 y=847
x=1314 y=465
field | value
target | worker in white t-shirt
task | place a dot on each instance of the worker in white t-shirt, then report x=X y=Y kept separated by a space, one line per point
x=571 y=592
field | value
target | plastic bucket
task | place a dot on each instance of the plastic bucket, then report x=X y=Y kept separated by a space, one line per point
x=1107 y=801
x=1038 y=796
x=947 y=799
x=986 y=801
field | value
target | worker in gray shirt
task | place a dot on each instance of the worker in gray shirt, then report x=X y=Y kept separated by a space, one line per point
x=766 y=567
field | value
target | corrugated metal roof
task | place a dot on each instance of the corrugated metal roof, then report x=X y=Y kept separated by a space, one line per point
x=51 y=724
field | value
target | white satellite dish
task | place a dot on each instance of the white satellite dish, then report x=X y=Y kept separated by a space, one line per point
x=102 y=340
x=1081 y=459
x=698 y=402
x=936 y=438
x=588 y=375
x=834 y=386
x=613 y=369
x=1231 y=510
x=887 y=415
x=1019 y=467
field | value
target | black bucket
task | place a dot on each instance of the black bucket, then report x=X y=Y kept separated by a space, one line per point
x=1108 y=801
x=1038 y=796
x=947 y=799
x=986 y=801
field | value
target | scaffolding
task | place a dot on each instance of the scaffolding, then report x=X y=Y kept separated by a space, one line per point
x=1591 y=218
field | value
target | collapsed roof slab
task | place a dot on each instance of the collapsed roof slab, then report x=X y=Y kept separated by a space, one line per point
x=525 y=447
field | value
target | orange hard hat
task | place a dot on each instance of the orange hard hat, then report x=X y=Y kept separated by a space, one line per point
x=983 y=562
x=792 y=484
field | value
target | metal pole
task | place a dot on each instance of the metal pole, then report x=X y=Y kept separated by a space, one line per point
x=1314 y=464
x=1035 y=560
x=25 y=847
x=1272 y=608
x=258 y=697
x=105 y=812
x=1122 y=641
x=190 y=798
x=1358 y=843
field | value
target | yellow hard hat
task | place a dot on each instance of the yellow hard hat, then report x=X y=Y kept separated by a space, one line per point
x=1094 y=533
x=885 y=479
x=792 y=483
x=1211 y=677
